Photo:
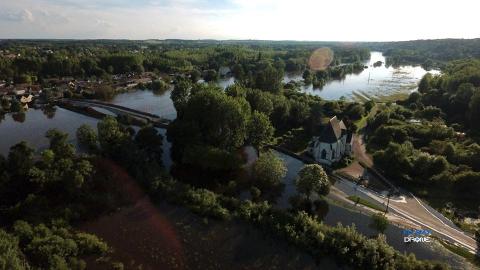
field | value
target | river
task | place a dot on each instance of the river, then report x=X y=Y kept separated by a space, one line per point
x=32 y=127
x=34 y=123
x=372 y=83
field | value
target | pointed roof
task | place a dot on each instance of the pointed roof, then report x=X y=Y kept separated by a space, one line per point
x=333 y=131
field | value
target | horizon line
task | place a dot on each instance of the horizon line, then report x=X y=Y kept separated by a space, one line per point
x=228 y=40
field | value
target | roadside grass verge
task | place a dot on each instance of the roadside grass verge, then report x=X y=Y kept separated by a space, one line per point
x=362 y=122
x=366 y=203
x=472 y=258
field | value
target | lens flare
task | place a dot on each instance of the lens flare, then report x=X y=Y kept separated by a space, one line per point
x=320 y=59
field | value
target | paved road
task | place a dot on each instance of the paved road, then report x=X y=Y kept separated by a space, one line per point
x=407 y=205
x=413 y=209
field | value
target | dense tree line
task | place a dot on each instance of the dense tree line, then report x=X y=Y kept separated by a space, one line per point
x=41 y=194
x=212 y=124
x=257 y=63
x=428 y=53
x=319 y=78
x=345 y=244
x=56 y=185
x=430 y=141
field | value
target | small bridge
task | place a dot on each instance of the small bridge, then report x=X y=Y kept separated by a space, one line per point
x=119 y=110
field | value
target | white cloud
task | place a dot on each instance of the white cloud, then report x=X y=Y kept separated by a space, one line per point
x=23 y=15
x=103 y=23
x=347 y=20
x=27 y=15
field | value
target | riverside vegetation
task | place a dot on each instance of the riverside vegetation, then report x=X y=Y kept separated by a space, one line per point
x=43 y=196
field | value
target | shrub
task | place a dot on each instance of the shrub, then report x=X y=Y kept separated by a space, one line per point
x=11 y=257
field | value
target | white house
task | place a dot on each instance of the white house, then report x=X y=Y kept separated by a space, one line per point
x=333 y=143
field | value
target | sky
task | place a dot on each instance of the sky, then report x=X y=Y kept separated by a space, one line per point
x=335 y=20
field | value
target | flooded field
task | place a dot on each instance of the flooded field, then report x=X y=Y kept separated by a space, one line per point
x=377 y=83
x=32 y=125
x=148 y=101
x=372 y=83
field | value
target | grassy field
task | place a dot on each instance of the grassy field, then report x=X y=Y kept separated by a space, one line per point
x=366 y=203
x=362 y=122
x=461 y=252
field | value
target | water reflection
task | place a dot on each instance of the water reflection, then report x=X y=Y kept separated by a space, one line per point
x=372 y=82
x=375 y=81
x=18 y=117
x=158 y=103
x=32 y=125
x=49 y=111
x=321 y=209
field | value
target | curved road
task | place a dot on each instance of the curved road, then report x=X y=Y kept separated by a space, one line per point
x=414 y=210
x=406 y=205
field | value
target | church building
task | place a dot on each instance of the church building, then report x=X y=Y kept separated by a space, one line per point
x=333 y=144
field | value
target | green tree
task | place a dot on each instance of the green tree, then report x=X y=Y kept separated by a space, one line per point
x=370 y=104
x=474 y=111
x=213 y=118
x=104 y=92
x=355 y=111
x=464 y=93
x=425 y=83
x=111 y=135
x=281 y=112
x=312 y=178
x=236 y=90
x=212 y=121
x=87 y=137
x=379 y=222
x=210 y=75
x=57 y=246
x=269 y=79
x=11 y=258
x=16 y=106
x=260 y=101
x=299 y=113
x=59 y=144
x=195 y=75
x=260 y=130
x=159 y=85
x=269 y=170
x=180 y=95
x=307 y=76
x=150 y=141
x=20 y=159
x=395 y=160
